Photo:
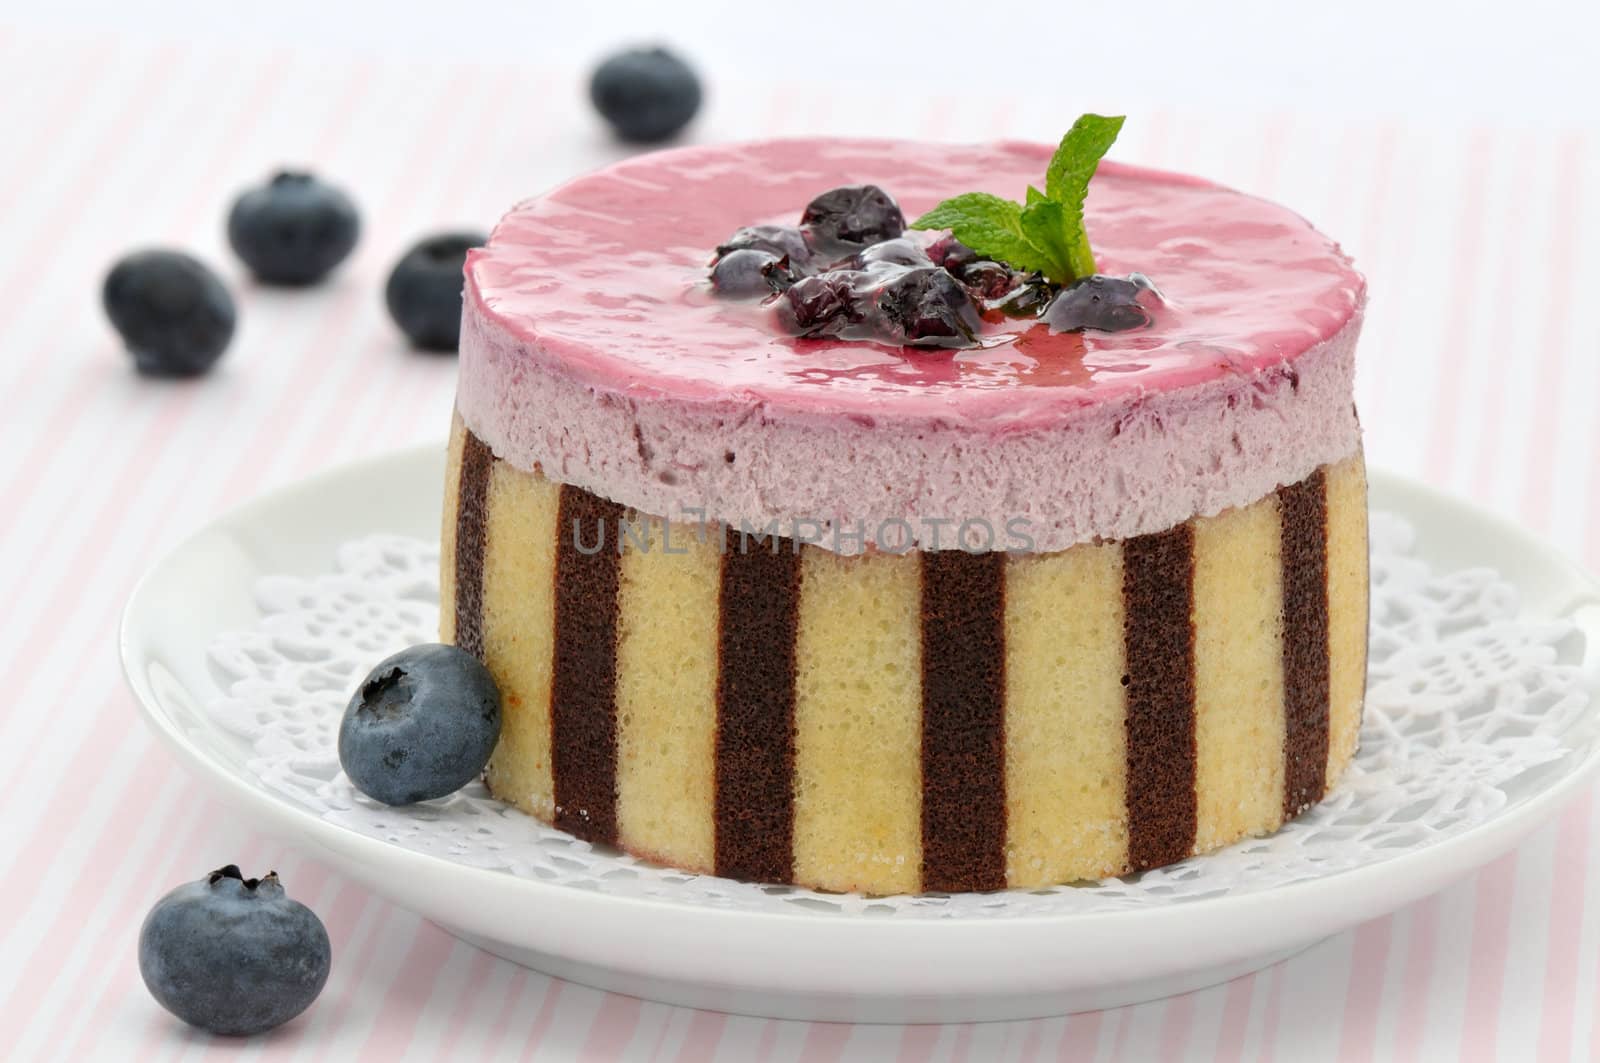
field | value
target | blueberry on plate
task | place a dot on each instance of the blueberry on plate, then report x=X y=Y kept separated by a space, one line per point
x=421 y=725
x=294 y=229
x=647 y=94
x=854 y=216
x=1103 y=303
x=748 y=273
x=424 y=290
x=233 y=955
x=173 y=313
x=926 y=307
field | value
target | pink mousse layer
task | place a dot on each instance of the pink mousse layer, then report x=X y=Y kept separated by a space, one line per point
x=593 y=350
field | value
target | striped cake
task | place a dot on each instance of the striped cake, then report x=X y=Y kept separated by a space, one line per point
x=857 y=617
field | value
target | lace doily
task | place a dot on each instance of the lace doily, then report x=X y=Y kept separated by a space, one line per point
x=1467 y=704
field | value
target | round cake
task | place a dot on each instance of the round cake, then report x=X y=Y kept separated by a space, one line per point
x=826 y=610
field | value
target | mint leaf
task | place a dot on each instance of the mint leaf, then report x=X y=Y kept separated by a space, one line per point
x=1066 y=181
x=1045 y=233
x=1045 y=224
x=992 y=227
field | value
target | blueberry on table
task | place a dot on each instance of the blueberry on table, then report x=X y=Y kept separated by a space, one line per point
x=294 y=229
x=1101 y=302
x=233 y=955
x=424 y=290
x=421 y=725
x=854 y=215
x=173 y=313
x=646 y=94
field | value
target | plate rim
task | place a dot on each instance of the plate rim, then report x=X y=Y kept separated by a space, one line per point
x=1492 y=837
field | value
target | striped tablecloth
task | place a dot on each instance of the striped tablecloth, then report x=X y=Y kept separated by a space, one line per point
x=1480 y=372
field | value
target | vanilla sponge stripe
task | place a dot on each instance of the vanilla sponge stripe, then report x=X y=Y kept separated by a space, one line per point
x=1348 y=589
x=519 y=618
x=666 y=693
x=858 y=723
x=1066 y=749
x=1239 y=675
x=894 y=723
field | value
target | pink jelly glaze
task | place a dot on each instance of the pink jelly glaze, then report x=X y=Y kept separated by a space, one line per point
x=593 y=350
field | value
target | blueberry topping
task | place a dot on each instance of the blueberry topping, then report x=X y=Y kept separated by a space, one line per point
x=986 y=280
x=233 y=955
x=422 y=725
x=172 y=312
x=424 y=290
x=952 y=254
x=294 y=229
x=823 y=305
x=1101 y=302
x=646 y=94
x=1029 y=298
x=927 y=307
x=748 y=273
x=901 y=251
x=854 y=216
x=781 y=241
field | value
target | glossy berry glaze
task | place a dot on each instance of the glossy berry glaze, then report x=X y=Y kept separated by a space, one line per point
x=590 y=314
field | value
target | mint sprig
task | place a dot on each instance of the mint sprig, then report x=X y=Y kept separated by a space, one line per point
x=1044 y=234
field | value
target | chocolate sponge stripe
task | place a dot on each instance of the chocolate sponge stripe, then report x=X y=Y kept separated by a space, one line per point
x=1158 y=593
x=963 y=721
x=1303 y=514
x=758 y=619
x=583 y=710
x=472 y=530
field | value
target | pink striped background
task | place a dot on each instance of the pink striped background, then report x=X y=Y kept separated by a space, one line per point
x=1480 y=371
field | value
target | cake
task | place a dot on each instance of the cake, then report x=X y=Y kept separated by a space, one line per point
x=824 y=610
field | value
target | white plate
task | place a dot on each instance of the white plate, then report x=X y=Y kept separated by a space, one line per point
x=840 y=966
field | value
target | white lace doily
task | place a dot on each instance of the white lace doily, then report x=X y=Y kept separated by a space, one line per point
x=1466 y=703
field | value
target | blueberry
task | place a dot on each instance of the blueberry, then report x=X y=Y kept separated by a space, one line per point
x=294 y=229
x=172 y=312
x=233 y=955
x=952 y=254
x=1107 y=304
x=422 y=725
x=985 y=279
x=783 y=241
x=424 y=290
x=748 y=273
x=823 y=305
x=647 y=94
x=900 y=251
x=854 y=215
x=926 y=307
x=1029 y=297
